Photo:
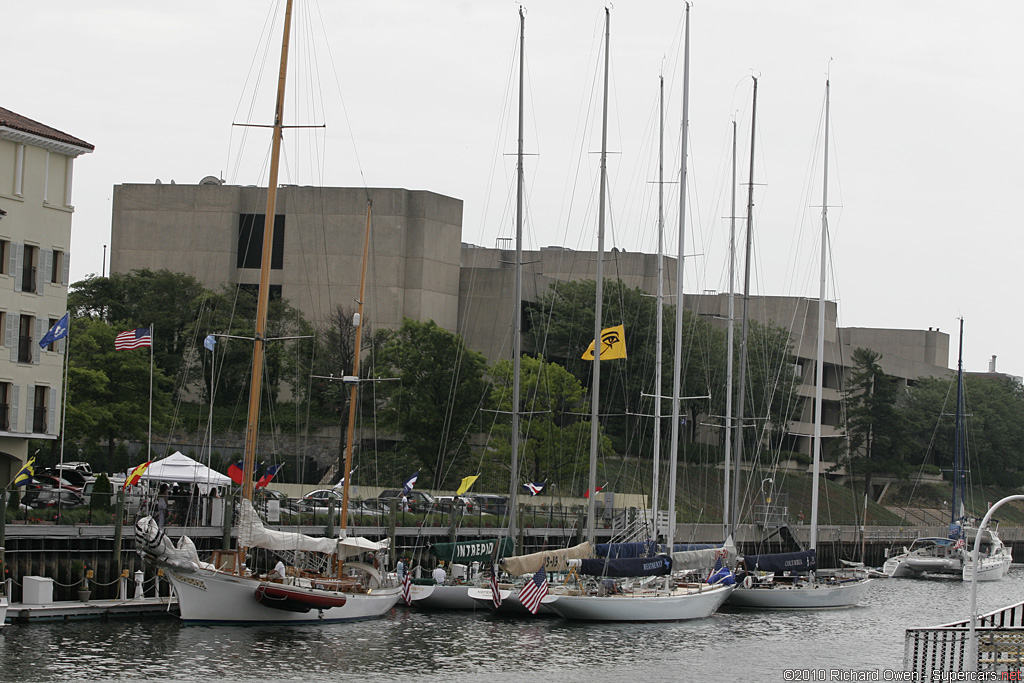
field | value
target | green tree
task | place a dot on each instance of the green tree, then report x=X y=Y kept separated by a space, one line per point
x=554 y=437
x=108 y=390
x=335 y=352
x=561 y=326
x=162 y=299
x=433 y=405
x=875 y=428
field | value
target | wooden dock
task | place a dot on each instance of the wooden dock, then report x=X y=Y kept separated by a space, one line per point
x=138 y=608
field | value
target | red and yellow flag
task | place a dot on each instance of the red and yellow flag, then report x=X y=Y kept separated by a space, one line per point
x=136 y=474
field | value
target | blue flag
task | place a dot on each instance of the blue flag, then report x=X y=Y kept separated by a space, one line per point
x=58 y=331
x=210 y=342
x=409 y=483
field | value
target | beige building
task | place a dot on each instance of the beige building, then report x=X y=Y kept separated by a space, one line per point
x=420 y=269
x=36 y=172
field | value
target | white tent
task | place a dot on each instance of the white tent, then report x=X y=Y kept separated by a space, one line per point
x=181 y=469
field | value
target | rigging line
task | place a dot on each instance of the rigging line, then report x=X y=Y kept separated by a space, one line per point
x=344 y=107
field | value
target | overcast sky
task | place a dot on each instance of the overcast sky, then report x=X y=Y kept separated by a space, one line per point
x=924 y=168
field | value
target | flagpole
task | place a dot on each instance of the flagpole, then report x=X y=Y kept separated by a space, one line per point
x=209 y=422
x=149 y=448
x=64 y=397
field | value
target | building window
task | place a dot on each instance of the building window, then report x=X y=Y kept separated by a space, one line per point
x=28 y=270
x=25 y=339
x=5 y=406
x=5 y=253
x=250 y=241
x=57 y=267
x=40 y=409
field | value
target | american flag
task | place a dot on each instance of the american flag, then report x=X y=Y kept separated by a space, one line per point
x=133 y=339
x=406 y=588
x=495 y=592
x=959 y=545
x=534 y=591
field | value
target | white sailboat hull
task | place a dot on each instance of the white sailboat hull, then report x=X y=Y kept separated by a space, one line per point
x=209 y=596
x=445 y=597
x=3 y=610
x=679 y=605
x=510 y=605
x=989 y=568
x=809 y=595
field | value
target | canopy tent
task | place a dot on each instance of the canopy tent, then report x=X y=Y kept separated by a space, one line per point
x=183 y=469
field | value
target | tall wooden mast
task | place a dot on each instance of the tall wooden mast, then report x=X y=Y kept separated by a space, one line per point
x=353 y=381
x=263 y=297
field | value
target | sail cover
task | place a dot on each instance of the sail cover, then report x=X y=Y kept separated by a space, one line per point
x=483 y=550
x=803 y=561
x=551 y=560
x=630 y=566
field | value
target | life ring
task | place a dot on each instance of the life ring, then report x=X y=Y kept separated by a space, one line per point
x=748 y=581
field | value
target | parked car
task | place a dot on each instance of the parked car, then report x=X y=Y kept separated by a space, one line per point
x=318 y=502
x=444 y=503
x=419 y=501
x=74 y=477
x=78 y=466
x=490 y=504
x=50 y=481
x=115 y=484
x=41 y=499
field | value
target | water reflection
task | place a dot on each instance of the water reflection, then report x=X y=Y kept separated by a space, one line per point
x=407 y=646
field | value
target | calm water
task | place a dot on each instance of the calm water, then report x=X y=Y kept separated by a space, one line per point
x=416 y=646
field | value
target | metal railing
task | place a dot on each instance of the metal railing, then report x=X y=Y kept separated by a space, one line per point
x=929 y=652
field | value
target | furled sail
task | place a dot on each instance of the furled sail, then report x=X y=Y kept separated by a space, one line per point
x=706 y=558
x=252 y=534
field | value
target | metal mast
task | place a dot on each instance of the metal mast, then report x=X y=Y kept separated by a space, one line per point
x=677 y=355
x=744 y=327
x=596 y=390
x=517 y=322
x=819 y=382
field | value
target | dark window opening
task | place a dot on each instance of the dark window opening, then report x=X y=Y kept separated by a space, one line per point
x=39 y=411
x=250 y=241
x=28 y=271
x=25 y=339
x=5 y=406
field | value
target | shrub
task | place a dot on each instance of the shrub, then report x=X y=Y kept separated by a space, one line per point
x=101 y=490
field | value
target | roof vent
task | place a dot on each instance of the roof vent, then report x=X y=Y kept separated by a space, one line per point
x=211 y=180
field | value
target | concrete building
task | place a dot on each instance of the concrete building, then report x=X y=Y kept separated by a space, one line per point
x=420 y=269
x=36 y=172
x=215 y=233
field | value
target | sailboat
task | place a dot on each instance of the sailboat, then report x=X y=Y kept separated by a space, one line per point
x=933 y=556
x=325 y=588
x=656 y=589
x=788 y=580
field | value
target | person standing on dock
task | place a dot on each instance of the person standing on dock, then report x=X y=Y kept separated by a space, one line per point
x=161 y=506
